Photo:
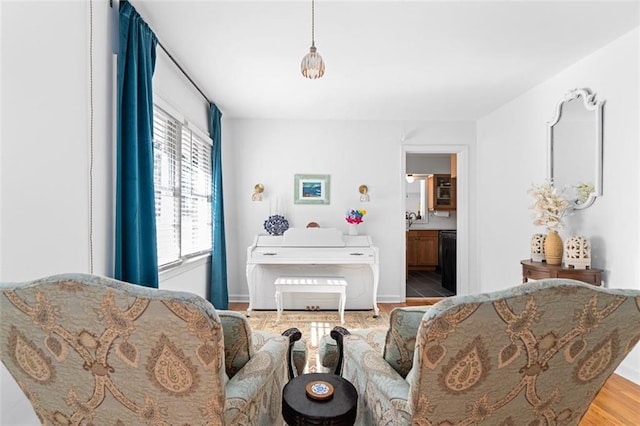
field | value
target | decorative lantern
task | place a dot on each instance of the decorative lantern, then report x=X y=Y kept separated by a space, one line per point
x=537 y=247
x=577 y=252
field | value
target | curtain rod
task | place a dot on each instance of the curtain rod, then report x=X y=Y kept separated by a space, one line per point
x=176 y=64
x=183 y=72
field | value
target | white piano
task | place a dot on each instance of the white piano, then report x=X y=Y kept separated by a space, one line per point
x=313 y=252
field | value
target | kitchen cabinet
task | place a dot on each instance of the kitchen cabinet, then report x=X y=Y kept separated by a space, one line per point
x=422 y=250
x=454 y=165
x=442 y=193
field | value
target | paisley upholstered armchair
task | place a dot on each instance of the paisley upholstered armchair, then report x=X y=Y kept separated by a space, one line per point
x=534 y=354
x=91 y=350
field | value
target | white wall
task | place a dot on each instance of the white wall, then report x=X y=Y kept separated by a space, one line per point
x=428 y=164
x=44 y=196
x=513 y=140
x=45 y=140
x=271 y=152
x=44 y=162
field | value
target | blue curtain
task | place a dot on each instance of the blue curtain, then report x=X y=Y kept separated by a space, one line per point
x=136 y=256
x=218 y=294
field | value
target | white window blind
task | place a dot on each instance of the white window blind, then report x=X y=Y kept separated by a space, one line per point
x=196 y=193
x=182 y=179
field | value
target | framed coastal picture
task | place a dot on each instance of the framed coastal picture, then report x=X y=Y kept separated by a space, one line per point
x=311 y=189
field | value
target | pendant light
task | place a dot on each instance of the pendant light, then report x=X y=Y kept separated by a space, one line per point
x=312 y=65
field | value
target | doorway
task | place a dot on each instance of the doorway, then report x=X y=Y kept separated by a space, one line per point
x=443 y=231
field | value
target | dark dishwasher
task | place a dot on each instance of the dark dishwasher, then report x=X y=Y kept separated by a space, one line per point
x=448 y=259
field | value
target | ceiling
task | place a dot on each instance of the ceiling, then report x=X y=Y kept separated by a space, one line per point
x=385 y=60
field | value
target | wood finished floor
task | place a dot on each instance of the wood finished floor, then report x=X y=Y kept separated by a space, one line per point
x=617 y=404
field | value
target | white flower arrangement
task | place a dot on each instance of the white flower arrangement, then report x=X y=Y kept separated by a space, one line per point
x=550 y=206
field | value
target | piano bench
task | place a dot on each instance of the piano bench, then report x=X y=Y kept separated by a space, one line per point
x=312 y=285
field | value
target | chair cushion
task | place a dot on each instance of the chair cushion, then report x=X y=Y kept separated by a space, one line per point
x=401 y=338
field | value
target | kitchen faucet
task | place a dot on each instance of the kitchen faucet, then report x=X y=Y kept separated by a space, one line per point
x=410 y=217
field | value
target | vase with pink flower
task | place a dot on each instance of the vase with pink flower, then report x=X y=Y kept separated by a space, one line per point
x=354 y=218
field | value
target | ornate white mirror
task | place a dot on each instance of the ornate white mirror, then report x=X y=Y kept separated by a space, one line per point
x=575 y=147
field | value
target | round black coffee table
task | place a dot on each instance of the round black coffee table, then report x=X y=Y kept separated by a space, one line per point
x=300 y=409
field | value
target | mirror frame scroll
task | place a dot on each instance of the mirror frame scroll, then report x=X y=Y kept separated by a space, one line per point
x=591 y=104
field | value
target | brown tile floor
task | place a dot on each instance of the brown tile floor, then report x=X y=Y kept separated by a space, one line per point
x=426 y=284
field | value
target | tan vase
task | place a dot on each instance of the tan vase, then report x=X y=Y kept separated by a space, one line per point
x=553 y=248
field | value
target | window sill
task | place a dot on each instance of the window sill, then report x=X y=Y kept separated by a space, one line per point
x=183 y=266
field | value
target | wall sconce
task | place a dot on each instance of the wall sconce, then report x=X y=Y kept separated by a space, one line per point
x=409 y=178
x=257 y=194
x=364 y=193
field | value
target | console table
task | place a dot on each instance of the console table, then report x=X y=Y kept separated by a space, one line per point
x=541 y=270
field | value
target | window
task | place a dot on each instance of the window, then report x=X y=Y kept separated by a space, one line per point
x=182 y=180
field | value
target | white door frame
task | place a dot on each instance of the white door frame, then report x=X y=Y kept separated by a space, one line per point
x=462 y=210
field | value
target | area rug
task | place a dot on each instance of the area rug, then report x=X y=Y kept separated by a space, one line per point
x=314 y=325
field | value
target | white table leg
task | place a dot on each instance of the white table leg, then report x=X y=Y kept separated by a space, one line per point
x=376 y=278
x=251 y=279
x=278 y=303
x=343 y=302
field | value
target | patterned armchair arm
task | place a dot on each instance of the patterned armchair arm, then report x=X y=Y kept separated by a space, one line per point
x=383 y=393
x=299 y=355
x=338 y=334
x=293 y=334
x=254 y=394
